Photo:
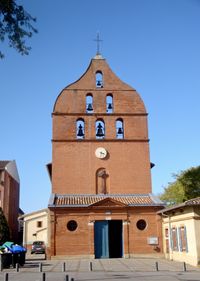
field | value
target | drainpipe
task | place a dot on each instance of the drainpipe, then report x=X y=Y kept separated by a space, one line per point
x=128 y=234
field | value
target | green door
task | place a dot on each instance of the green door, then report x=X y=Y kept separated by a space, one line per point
x=108 y=239
x=101 y=239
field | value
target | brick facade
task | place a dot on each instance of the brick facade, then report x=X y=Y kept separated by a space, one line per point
x=77 y=171
x=9 y=196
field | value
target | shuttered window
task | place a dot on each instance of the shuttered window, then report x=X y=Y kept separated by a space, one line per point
x=174 y=239
x=183 y=239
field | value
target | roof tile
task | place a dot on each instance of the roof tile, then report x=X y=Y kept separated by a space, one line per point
x=194 y=201
x=88 y=200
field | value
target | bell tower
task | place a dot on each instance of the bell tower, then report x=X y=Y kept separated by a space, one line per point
x=99 y=122
x=101 y=179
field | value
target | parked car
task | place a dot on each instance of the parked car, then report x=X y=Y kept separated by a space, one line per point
x=38 y=247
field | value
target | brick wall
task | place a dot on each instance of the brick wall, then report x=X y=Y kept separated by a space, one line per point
x=11 y=204
x=75 y=166
x=81 y=241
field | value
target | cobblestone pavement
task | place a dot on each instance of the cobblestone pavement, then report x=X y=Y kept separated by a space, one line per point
x=137 y=269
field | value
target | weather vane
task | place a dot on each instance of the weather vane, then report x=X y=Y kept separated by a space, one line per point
x=98 y=40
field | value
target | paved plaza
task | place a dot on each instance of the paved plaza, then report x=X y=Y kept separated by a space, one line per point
x=137 y=269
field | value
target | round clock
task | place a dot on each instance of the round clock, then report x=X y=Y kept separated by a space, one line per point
x=100 y=152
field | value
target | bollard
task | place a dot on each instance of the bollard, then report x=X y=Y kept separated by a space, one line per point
x=156 y=266
x=40 y=267
x=90 y=266
x=63 y=267
x=43 y=276
x=17 y=267
x=184 y=266
x=6 y=277
x=67 y=278
x=72 y=279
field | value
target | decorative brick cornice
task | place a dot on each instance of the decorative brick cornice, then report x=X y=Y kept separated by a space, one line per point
x=98 y=114
x=101 y=141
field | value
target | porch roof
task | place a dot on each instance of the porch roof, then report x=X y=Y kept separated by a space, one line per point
x=86 y=200
x=190 y=202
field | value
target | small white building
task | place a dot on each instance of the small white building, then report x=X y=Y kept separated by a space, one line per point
x=181 y=232
x=35 y=227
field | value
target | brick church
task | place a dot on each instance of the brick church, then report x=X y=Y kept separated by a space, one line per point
x=101 y=204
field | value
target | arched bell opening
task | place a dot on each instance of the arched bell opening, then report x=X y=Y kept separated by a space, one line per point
x=119 y=128
x=89 y=103
x=80 y=128
x=99 y=79
x=109 y=103
x=100 y=129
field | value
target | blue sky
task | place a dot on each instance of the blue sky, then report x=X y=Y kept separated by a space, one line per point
x=153 y=45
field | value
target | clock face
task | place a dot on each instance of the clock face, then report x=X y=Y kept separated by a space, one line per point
x=100 y=152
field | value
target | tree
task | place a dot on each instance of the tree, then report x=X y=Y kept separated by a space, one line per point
x=4 y=228
x=173 y=193
x=186 y=186
x=15 y=25
x=190 y=180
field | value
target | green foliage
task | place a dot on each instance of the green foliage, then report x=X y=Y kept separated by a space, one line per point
x=173 y=194
x=4 y=228
x=15 y=25
x=186 y=186
x=190 y=179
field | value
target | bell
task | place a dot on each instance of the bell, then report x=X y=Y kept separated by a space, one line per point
x=110 y=106
x=120 y=131
x=80 y=131
x=100 y=132
x=89 y=107
x=99 y=83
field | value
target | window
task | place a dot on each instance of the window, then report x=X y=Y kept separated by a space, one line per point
x=109 y=103
x=99 y=79
x=89 y=103
x=174 y=240
x=39 y=223
x=100 y=129
x=182 y=239
x=141 y=224
x=80 y=129
x=119 y=129
x=72 y=225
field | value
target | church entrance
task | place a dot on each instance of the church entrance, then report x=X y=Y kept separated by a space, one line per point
x=108 y=239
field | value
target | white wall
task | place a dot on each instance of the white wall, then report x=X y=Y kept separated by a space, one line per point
x=31 y=230
x=184 y=218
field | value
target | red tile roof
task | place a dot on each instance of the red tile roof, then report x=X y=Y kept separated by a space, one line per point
x=89 y=200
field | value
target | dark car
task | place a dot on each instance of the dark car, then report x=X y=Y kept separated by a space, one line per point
x=38 y=247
